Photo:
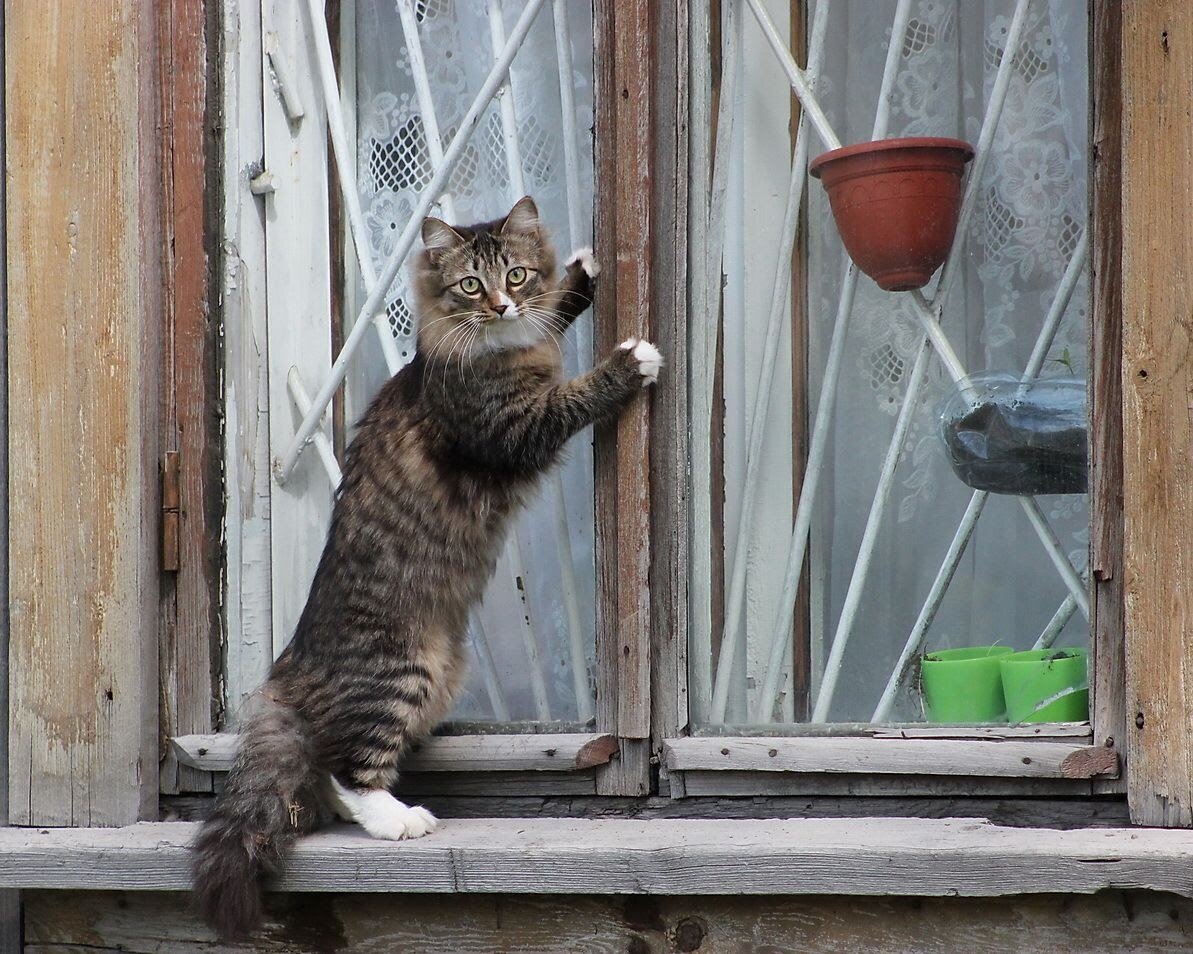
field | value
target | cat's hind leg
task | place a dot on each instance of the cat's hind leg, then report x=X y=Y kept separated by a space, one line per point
x=379 y=813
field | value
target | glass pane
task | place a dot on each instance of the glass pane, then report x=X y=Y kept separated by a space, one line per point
x=537 y=625
x=870 y=569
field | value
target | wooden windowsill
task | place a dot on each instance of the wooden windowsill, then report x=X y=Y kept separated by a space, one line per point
x=862 y=856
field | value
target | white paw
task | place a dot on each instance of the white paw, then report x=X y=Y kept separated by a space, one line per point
x=648 y=358
x=592 y=268
x=382 y=815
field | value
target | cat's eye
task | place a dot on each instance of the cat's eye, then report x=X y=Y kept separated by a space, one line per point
x=470 y=285
x=515 y=276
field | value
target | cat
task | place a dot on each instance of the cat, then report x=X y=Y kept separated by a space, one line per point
x=444 y=457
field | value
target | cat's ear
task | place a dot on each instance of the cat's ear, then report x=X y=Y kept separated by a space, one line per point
x=523 y=218
x=438 y=235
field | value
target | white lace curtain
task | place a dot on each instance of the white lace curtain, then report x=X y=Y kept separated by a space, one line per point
x=1032 y=211
x=393 y=166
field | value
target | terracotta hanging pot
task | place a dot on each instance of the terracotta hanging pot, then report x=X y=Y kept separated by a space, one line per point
x=896 y=203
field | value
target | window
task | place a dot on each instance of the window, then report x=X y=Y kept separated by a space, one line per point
x=795 y=387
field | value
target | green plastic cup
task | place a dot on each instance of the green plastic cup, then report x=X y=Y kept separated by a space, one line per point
x=1046 y=685
x=964 y=685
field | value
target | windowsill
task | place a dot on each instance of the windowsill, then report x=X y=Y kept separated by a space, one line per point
x=863 y=856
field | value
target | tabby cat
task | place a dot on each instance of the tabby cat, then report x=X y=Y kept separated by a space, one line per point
x=451 y=448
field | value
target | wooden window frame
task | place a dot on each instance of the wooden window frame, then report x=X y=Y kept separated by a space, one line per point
x=1142 y=519
x=795 y=759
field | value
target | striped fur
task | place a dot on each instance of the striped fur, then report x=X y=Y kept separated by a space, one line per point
x=449 y=450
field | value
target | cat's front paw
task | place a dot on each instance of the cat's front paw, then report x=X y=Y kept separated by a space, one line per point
x=583 y=259
x=650 y=362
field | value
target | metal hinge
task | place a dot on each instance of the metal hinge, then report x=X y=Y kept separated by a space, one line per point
x=170 y=512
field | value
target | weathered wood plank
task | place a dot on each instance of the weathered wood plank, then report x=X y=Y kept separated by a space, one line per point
x=622 y=73
x=10 y=901
x=157 y=923
x=767 y=785
x=189 y=651
x=459 y=753
x=248 y=602
x=669 y=409
x=918 y=730
x=1108 y=699
x=1029 y=758
x=1157 y=428
x=1017 y=811
x=298 y=307
x=863 y=856
x=84 y=307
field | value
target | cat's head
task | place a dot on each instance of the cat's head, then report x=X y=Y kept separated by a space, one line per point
x=484 y=287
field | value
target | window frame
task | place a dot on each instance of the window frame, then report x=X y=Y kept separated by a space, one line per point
x=1084 y=758
x=645 y=563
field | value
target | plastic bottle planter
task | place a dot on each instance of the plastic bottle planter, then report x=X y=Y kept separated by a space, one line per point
x=1046 y=685
x=896 y=203
x=964 y=685
x=1013 y=438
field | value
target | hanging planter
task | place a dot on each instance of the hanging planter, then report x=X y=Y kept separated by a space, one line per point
x=963 y=685
x=1005 y=437
x=1046 y=685
x=896 y=203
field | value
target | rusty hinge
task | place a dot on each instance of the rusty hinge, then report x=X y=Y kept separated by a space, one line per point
x=170 y=506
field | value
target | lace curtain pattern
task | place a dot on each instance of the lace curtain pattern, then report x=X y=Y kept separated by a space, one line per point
x=393 y=166
x=1032 y=210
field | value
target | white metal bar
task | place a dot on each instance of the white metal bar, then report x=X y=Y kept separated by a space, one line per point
x=509 y=118
x=422 y=91
x=796 y=76
x=1059 y=621
x=571 y=154
x=406 y=241
x=969 y=201
x=567 y=106
x=1047 y=536
x=701 y=328
x=302 y=401
x=1064 y=294
x=291 y=102
x=940 y=585
x=484 y=658
x=731 y=636
x=825 y=405
x=346 y=171
x=857 y=581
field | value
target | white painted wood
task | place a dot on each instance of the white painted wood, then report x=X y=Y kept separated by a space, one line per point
x=537 y=752
x=859 y=856
x=1029 y=758
x=299 y=309
x=248 y=582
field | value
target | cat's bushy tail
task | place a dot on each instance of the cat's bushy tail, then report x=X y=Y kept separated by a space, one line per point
x=268 y=799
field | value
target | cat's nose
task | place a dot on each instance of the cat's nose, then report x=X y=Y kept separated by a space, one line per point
x=500 y=309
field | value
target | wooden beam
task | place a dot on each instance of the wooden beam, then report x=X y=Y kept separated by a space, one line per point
x=1157 y=382
x=97 y=923
x=452 y=753
x=623 y=57
x=189 y=650
x=669 y=421
x=1108 y=679
x=248 y=604
x=860 y=856
x=1029 y=758
x=84 y=307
